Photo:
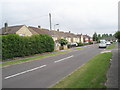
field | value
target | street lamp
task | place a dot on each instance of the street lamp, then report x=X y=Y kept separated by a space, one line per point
x=55 y=25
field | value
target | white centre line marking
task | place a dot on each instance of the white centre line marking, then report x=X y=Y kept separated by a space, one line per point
x=24 y=72
x=64 y=59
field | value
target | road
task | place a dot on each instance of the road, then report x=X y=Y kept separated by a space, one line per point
x=46 y=72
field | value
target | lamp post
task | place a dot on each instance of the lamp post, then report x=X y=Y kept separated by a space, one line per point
x=55 y=25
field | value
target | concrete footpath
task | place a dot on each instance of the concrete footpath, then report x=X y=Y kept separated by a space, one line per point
x=112 y=75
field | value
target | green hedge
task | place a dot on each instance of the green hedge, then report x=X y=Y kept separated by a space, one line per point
x=17 y=46
x=80 y=44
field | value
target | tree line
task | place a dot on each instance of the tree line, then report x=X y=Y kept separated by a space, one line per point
x=97 y=37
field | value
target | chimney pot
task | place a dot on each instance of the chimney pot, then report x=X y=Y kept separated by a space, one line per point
x=6 y=27
x=39 y=26
x=58 y=30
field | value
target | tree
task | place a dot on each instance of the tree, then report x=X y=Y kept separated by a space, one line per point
x=63 y=42
x=117 y=35
x=95 y=38
x=106 y=35
x=99 y=37
x=110 y=35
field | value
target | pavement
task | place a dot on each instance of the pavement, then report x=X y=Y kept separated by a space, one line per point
x=46 y=72
x=112 y=75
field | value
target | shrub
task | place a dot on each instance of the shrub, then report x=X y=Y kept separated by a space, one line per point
x=16 y=46
x=63 y=42
x=90 y=42
x=80 y=44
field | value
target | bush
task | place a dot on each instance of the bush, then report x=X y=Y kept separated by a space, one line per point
x=63 y=42
x=80 y=44
x=86 y=43
x=90 y=42
x=16 y=46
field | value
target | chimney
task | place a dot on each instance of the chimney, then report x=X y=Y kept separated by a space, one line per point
x=58 y=30
x=39 y=26
x=69 y=32
x=6 y=27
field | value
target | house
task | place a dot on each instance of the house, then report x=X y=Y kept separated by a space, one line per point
x=87 y=38
x=21 y=30
x=81 y=37
x=111 y=39
x=56 y=35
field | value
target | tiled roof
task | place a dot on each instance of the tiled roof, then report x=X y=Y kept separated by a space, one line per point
x=11 y=29
x=39 y=31
x=36 y=30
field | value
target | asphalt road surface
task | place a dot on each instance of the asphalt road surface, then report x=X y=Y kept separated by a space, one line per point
x=46 y=72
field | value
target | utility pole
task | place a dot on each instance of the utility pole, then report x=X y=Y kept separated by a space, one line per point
x=50 y=21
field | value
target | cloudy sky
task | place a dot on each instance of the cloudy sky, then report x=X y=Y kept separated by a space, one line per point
x=77 y=16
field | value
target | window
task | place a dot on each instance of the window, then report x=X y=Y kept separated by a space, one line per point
x=21 y=34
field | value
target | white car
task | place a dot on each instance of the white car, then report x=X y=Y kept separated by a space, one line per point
x=108 y=43
x=102 y=45
x=74 y=44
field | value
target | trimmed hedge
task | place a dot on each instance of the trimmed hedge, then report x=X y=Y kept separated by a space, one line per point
x=17 y=46
x=80 y=44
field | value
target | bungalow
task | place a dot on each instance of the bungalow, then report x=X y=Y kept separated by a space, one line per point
x=81 y=37
x=23 y=30
x=87 y=38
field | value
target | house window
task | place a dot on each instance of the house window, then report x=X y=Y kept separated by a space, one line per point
x=21 y=34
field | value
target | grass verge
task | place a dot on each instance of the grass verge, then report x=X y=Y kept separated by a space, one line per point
x=111 y=46
x=91 y=75
x=79 y=48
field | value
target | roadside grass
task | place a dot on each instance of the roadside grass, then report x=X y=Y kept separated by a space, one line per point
x=79 y=48
x=111 y=46
x=90 y=75
x=32 y=58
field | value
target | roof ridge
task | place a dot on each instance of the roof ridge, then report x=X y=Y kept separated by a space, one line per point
x=16 y=26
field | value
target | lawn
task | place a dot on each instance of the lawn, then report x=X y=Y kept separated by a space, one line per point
x=111 y=46
x=90 y=75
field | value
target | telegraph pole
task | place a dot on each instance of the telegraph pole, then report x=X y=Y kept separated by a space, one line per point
x=50 y=21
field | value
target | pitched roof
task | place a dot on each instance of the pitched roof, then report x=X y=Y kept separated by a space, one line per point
x=86 y=36
x=110 y=38
x=35 y=30
x=11 y=29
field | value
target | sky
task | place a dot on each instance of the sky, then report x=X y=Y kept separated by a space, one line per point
x=77 y=16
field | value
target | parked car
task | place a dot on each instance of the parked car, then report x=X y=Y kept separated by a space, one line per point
x=70 y=45
x=102 y=44
x=108 y=43
x=74 y=44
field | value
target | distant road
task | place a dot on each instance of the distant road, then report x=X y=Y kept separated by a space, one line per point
x=46 y=72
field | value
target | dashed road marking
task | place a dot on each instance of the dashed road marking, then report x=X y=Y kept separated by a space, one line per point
x=25 y=72
x=64 y=59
